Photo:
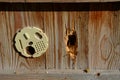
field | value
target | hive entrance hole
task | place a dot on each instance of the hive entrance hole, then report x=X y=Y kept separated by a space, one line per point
x=30 y=50
x=71 y=40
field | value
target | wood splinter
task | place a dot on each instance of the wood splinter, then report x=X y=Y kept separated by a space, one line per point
x=71 y=43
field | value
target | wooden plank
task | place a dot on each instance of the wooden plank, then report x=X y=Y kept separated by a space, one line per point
x=65 y=59
x=104 y=39
x=64 y=75
x=82 y=33
x=59 y=0
x=59 y=25
x=49 y=30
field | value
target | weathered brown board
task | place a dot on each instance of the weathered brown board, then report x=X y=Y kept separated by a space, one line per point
x=97 y=26
x=58 y=0
x=64 y=75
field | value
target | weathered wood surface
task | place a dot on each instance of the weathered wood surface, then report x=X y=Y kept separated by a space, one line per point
x=59 y=0
x=98 y=32
x=103 y=36
x=64 y=75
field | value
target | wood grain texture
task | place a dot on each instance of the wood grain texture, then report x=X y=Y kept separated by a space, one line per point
x=82 y=31
x=55 y=57
x=97 y=27
x=64 y=75
x=104 y=39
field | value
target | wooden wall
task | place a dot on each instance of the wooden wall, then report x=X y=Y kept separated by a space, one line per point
x=98 y=33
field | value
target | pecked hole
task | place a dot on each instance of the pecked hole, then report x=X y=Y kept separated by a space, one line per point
x=71 y=40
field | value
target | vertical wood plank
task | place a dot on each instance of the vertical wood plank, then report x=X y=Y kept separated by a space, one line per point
x=66 y=58
x=103 y=39
x=82 y=31
x=114 y=62
x=49 y=29
x=59 y=38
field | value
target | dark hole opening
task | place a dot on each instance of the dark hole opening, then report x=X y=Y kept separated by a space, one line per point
x=30 y=43
x=30 y=50
x=71 y=40
x=85 y=71
x=98 y=74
